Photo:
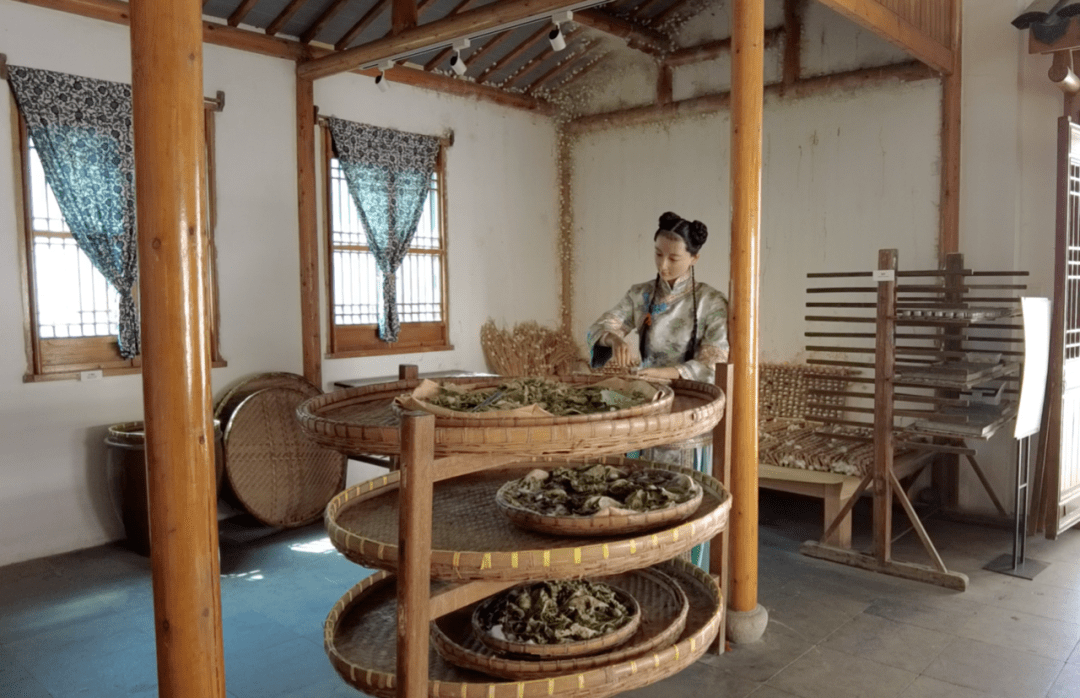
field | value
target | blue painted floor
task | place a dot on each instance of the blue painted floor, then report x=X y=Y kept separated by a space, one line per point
x=80 y=624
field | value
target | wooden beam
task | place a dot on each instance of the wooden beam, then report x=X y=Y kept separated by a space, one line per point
x=284 y=16
x=637 y=37
x=951 y=108
x=117 y=12
x=793 y=26
x=167 y=112
x=895 y=29
x=307 y=207
x=664 y=85
x=747 y=99
x=442 y=55
x=855 y=79
x=417 y=39
x=514 y=53
x=361 y=24
x=535 y=61
x=240 y=12
x=714 y=49
x=322 y=20
x=906 y=570
x=403 y=15
x=462 y=88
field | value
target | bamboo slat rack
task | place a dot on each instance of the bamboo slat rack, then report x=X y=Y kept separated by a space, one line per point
x=941 y=350
x=430 y=583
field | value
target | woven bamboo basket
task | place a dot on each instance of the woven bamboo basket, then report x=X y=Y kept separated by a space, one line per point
x=362 y=523
x=280 y=476
x=607 y=525
x=448 y=418
x=362 y=420
x=664 y=609
x=361 y=631
x=240 y=390
x=581 y=648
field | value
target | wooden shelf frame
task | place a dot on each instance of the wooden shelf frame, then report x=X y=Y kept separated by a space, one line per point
x=945 y=428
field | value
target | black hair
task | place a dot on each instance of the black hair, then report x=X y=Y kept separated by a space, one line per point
x=693 y=234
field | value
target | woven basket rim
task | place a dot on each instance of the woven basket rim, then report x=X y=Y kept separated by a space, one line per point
x=514 y=668
x=603 y=680
x=666 y=396
x=325 y=418
x=245 y=497
x=617 y=555
x=272 y=379
x=579 y=648
x=597 y=525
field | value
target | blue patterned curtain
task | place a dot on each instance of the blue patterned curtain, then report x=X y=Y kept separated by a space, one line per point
x=82 y=131
x=389 y=177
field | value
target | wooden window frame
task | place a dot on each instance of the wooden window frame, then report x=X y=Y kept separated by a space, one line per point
x=65 y=358
x=349 y=341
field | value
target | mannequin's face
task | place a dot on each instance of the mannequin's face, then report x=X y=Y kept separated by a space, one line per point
x=672 y=259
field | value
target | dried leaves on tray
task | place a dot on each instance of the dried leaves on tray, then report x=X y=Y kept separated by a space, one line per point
x=555 y=612
x=554 y=397
x=590 y=490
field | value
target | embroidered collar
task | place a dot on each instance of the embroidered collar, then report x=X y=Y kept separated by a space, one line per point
x=681 y=286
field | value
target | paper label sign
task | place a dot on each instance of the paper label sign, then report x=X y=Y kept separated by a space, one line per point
x=884 y=275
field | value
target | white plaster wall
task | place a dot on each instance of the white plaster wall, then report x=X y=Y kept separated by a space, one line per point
x=55 y=493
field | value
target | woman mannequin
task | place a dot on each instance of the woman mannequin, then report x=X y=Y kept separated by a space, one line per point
x=681 y=324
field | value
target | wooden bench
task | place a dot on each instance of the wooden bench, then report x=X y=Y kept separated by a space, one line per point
x=832 y=488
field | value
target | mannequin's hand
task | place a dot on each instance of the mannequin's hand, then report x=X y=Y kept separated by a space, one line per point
x=665 y=373
x=620 y=350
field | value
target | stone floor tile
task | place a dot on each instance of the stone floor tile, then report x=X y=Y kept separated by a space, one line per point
x=813 y=614
x=1043 y=600
x=888 y=642
x=993 y=669
x=825 y=673
x=926 y=687
x=1074 y=658
x=760 y=661
x=279 y=671
x=1060 y=573
x=18 y=683
x=771 y=692
x=913 y=612
x=1067 y=684
x=1022 y=632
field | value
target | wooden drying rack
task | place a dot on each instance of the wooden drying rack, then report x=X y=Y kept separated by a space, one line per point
x=940 y=366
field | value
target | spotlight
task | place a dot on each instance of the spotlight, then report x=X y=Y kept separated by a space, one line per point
x=380 y=79
x=555 y=36
x=457 y=63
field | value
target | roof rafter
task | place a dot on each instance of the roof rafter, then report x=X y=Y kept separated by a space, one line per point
x=637 y=37
x=558 y=69
x=521 y=48
x=460 y=7
x=530 y=65
x=284 y=16
x=240 y=12
x=492 y=17
x=317 y=26
x=362 y=24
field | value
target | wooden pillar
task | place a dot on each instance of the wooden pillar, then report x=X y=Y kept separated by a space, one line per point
x=951 y=107
x=310 y=327
x=414 y=550
x=167 y=102
x=747 y=95
x=564 y=160
x=884 y=368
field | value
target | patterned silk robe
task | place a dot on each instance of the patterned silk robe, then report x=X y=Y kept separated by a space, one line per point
x=672 y=326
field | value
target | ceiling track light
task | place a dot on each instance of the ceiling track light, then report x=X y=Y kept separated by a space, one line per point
x=457 y=63
x=380 y=79
x=556 y=36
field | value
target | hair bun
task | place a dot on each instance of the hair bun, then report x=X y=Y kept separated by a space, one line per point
x=669 y=220
x=698 y=233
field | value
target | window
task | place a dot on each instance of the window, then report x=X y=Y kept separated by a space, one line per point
x=70 y=310
x=356 y=284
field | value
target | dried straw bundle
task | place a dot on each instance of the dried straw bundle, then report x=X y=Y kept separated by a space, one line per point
x=530 y=349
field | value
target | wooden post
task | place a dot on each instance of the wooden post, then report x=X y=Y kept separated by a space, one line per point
x=885 y=360
x=307 y=205
x=167 y=106
x=747 y=95
x=951 y=107
x=719 y=548
x=414 y=546
x=793 y=25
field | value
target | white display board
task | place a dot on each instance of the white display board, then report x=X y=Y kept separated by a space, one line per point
x=1036 y=357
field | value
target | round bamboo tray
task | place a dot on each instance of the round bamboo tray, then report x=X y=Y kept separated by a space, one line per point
x=450 y=418
x=664 y=609
x=240 y=390
x=363 y=420
x=580 y=648
x=360 y=637
x=482 y=544
x=278 y=474
x=608 y=525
